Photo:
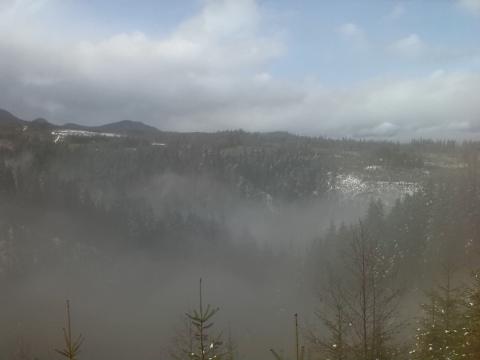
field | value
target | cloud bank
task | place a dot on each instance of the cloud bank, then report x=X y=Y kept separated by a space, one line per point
x=212 y=72
x=472 y=6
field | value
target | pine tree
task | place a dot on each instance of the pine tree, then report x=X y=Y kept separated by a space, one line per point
x=72 y=346
x=359 y=319
x=182 y=342
x=22 y=351
x=208 y=347
x=440 y=335
x=472 y=315
x=335 y=320
x=373 y=300
x=230 y=347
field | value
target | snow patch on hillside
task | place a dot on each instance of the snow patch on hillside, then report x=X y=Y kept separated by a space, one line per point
x=61 y=134
x=351 y=187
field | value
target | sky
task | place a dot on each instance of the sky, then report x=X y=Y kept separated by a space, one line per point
x=382 y=69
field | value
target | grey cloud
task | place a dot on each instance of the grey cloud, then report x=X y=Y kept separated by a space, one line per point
x=212 y=73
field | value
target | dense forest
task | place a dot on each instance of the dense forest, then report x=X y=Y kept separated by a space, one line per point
x=124 y=226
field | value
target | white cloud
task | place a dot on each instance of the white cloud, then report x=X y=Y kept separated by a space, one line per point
x=432 y=105
x=223 y=37
x=414 y=48
x=4 y=4
x=473 y=6
x=211 y=73
x=383 y=130
x=350 y=30
x=354 y=34
x=20 y=8
x=223 y=19
x=397 y=12
x=211 y=60
x=411 y=46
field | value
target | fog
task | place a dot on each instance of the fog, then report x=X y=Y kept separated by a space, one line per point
x=127 y=305
x=130 y=307
x=273 y=224
x=270 y=158
x=278 y=224
x=127 y=302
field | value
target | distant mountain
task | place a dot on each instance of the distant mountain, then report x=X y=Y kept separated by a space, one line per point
x=73 y=126
x=126 y=127
x=42 y=124
x=8 y=119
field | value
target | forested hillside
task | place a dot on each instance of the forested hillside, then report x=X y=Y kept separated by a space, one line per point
x=372 y=243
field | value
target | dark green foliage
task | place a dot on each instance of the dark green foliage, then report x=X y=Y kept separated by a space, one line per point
x=392 y=155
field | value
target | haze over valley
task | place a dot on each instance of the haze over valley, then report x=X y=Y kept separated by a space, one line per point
x=239 y=179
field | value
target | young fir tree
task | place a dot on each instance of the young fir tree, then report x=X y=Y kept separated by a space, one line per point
x=182 y=342
x=441 y=334
x=360 y=319
x=207 y=346
x=72 y=346
x=230 y=347
x=334 y=318
x=373 y=297
x=472 y=315
x=22 y=351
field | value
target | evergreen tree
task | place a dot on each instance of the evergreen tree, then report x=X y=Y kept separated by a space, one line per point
x=182 y=342
x=334 y=319
x=230 y=347
x=72 y=346
x=207 y=346
x=472 y=315
x=441 y=333
x=373 y=299
x=359 y=316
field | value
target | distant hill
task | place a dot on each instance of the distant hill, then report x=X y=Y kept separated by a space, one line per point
x=10 y=120
x=124 y=127
x=42 y=124
x=73 y=126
